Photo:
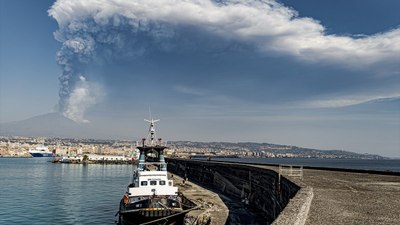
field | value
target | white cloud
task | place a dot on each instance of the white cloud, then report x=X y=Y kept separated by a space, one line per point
x=343 y=101
x=267 y=25
x=82 y=97
x=189 y=90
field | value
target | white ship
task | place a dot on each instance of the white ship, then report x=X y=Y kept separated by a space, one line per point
x=41 y=151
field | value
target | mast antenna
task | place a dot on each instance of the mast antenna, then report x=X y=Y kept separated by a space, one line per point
x=151 y=136
x=150 y=113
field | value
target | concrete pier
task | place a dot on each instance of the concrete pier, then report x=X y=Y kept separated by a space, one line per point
x=353 y=198
x=345 y=197
x=252 y=195
x=323 y=196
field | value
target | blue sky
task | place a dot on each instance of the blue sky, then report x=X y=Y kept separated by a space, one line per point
x=322 y=74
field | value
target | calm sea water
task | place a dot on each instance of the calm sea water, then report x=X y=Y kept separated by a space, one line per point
x=34 y=191
x=373 y=164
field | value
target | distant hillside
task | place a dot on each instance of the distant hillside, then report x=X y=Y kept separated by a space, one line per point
x=274 y=149
x=51 y=124
x=57 y=125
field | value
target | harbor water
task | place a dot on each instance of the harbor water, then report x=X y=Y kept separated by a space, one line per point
x=34 y=191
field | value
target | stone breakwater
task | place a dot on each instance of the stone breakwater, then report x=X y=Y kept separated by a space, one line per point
x=324 y=196
x=252 y=195
x=345 y=196
x=296 y=212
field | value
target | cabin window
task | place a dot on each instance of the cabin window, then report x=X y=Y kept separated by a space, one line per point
x=153 y=182
x=143 y=183
x=162 y=182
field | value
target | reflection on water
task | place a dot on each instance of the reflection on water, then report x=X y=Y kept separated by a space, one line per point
x=34 y=191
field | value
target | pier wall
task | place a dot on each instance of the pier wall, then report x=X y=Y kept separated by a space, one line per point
x=260 y=189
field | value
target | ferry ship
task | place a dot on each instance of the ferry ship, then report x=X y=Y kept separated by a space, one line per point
x=151 y=197
x=41 y=151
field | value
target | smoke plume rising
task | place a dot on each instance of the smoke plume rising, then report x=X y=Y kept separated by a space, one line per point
x=102 y=31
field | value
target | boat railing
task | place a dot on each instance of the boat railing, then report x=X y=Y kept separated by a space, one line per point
x=153 y=166
x=158 y=143
x=154 y=163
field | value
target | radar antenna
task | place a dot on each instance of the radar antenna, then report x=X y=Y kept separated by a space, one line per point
x=151 y=136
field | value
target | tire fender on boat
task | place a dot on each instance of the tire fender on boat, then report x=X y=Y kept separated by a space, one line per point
x=126 y=199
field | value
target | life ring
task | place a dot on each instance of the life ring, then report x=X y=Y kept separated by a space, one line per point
x=126 y=199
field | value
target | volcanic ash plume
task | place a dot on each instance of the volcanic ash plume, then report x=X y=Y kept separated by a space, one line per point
x=76 y=93
x=80 y=99
x=93 y=31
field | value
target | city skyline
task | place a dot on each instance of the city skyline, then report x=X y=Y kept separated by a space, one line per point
x=310 y=74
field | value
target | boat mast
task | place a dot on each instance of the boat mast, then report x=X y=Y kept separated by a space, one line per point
x=151 y=136
x=152 y=144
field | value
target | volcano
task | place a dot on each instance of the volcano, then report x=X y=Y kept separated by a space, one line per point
x=49 y=125
x=57 y=125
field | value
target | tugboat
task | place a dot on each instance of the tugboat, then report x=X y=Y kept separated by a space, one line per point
x=151 y=198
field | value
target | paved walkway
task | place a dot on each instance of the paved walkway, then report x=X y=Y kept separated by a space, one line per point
x=353 y=198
